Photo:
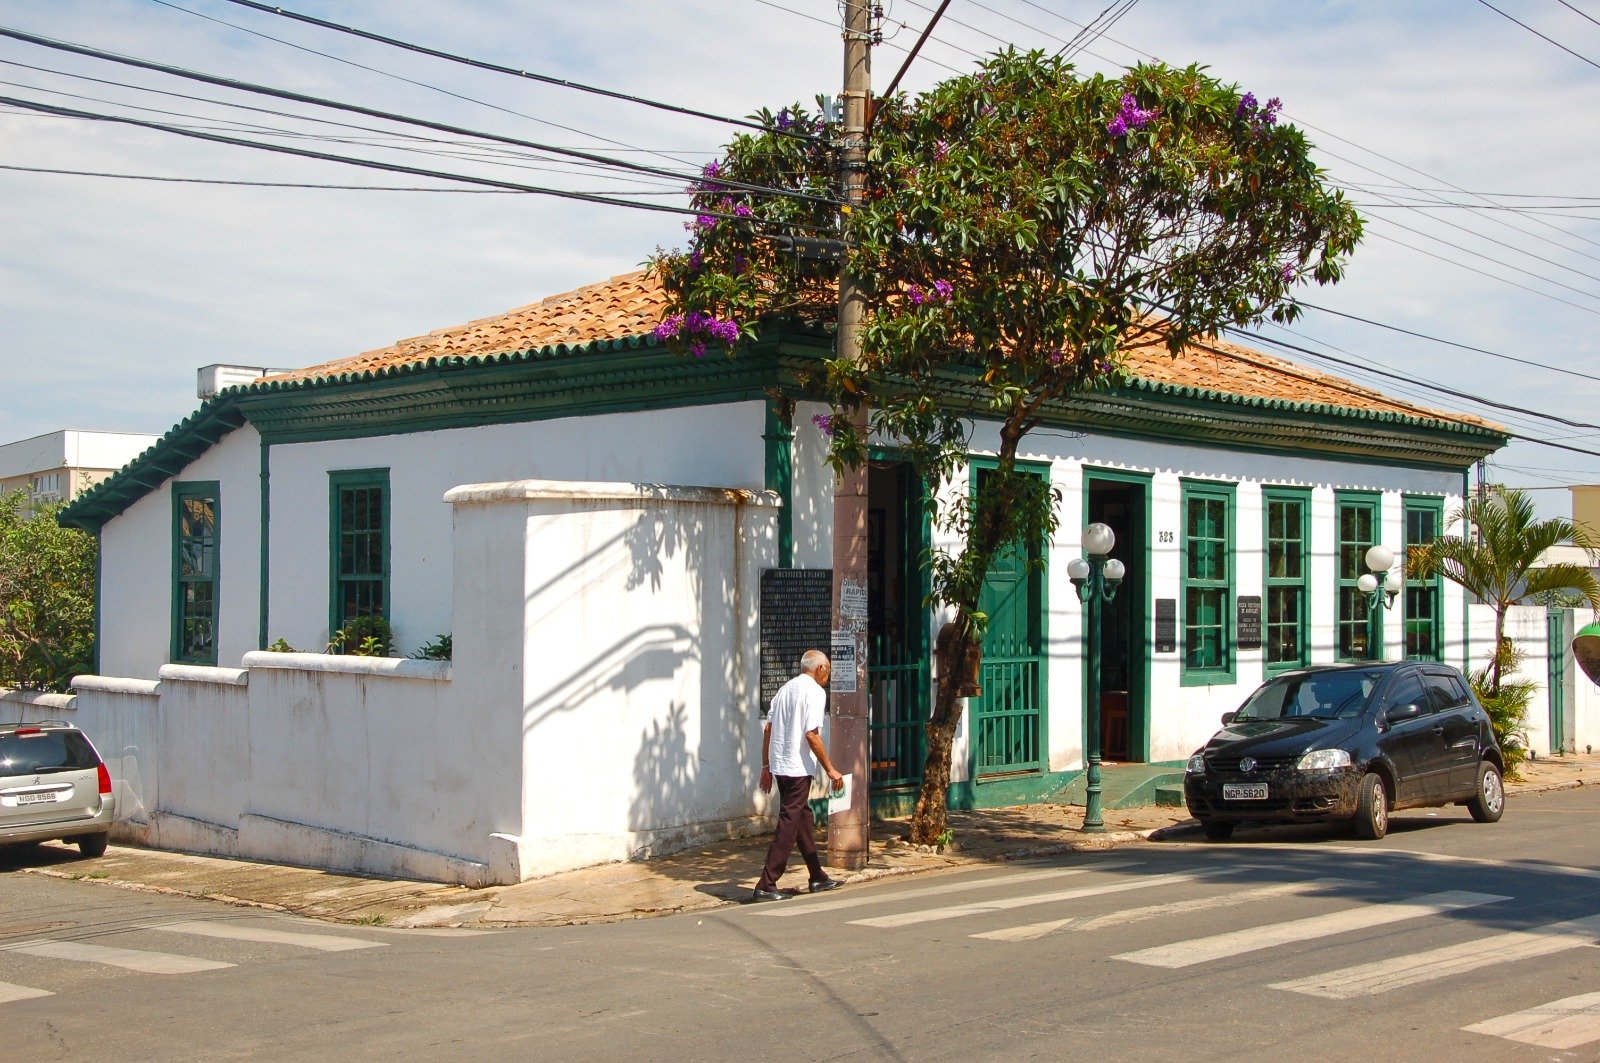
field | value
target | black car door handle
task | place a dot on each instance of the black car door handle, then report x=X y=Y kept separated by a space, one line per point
x=1438 y=728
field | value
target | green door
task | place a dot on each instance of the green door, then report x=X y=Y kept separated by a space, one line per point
x=1007 y=733
x=898 y=673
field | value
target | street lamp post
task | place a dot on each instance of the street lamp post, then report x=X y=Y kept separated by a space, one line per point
x=1096 y=580
x=1380 y=559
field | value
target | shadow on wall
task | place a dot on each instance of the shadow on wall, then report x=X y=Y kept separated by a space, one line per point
x=687 y=770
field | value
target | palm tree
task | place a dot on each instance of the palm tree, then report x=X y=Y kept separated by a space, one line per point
x=1497 y=566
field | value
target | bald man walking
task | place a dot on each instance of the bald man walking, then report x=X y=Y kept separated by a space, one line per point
x=791 y=751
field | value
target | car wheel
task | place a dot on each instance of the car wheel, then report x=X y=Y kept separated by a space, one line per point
x=92 y=845
x=1490 y=803
x=1217 y=830
x=1372 y=809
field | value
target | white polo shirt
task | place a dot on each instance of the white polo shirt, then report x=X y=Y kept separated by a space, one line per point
x=796 y=709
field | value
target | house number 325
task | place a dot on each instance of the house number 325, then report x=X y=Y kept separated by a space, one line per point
x=1164 y=537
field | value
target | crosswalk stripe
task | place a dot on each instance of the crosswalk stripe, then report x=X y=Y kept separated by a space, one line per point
x=321 y=942
x=1369 y=979
x=782 y=909
x=128 y=959
x=10 y=991
x=929 y=915
x=1033 y=931
x=1566 y=1023
x=1221 y=946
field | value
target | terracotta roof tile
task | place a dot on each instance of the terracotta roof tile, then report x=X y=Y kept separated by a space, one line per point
x=632 y=304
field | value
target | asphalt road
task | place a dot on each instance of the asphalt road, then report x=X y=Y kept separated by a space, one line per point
x=1447 y=939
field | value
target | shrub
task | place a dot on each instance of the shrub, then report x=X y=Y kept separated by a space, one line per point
x=281 y=646
x=439 y=649
x=1508 y=708
x=363 y=636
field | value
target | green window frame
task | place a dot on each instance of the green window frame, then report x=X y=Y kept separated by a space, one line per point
x=1360 y=516
x=1424 y=598
x=358 y=545
x=1286 y=538
x=196 y=574
x=1208 y=583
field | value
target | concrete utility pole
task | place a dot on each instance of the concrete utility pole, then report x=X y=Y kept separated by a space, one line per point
x=849 y=830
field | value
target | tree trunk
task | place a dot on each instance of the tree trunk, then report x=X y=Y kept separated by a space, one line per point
x=984 y=539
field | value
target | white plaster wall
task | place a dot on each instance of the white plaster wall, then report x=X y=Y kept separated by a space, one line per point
x=812 y=490
x=136 y=564
x=203 y=744
x=709 y=444
x=639 y=718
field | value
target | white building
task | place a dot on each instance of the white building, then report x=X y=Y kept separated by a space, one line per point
x=588 y=517
x=59 y=466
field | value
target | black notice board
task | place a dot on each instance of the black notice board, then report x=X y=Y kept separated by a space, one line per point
x=1166 y=625
x=1247 y=628
x=796 y=616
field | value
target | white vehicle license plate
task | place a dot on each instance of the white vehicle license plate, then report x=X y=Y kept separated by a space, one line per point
x=1254 y=791
x=37 y=799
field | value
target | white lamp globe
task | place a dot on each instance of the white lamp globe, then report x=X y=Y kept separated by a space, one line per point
x=1368 y=583
x=1115 y=570
x=1394 y=583
x=1078 y=570
x=1380 y=558
x=1098 y=539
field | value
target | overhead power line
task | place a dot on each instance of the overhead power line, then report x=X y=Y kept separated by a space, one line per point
x=1448 y=343
x=480 y=64
x=370 y=112
x=1541 y=36
x=165 y=179
x=348 y=160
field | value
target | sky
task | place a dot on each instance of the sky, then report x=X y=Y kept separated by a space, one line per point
x=1464 y=138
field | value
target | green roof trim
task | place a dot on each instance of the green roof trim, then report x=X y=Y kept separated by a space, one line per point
x=561 y=380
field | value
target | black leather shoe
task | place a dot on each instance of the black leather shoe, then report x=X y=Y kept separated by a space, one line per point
x=825 y=885
x=768 y=895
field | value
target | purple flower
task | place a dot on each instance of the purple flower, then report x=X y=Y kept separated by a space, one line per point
x=712 y=169
x=1247 y=105
x=669 y=327
x=940 y=150
x=1131 y=116
x=698 y=348
x=1056 y=358
x=705 y=221
x=740 y=263
x=1104 y=366
x=696 y=261
x=1269 y=114
x=784 y=121
x=1288 y=273
x=824 y=422
x=943 y=289
x=1117 y=127
x=916 y=295
x=741 y=211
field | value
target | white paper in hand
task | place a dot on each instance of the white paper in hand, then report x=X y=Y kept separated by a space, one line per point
x=839 y=801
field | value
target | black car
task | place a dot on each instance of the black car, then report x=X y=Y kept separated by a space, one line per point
x=1348 y=742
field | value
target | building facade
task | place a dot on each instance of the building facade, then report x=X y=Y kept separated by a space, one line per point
x=508 y=455
x=59 y=466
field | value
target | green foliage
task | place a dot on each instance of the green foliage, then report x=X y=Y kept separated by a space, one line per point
x=1506 y=703
x=440 y=649
x=46 y=597
x=1497 y=564
x=281 y=646
x=363 y=636
x=1023 y=226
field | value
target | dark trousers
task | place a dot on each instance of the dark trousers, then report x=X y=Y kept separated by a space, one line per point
x=795 y=824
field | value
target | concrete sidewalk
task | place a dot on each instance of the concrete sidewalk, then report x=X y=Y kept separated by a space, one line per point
x=699 y=879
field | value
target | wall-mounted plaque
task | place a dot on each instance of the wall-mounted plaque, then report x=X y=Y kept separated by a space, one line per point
x=1166 y=625
x=1247 y=628
x=796 y=616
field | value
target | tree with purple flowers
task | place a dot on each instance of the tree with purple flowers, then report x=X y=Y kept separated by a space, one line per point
x=1024 y=225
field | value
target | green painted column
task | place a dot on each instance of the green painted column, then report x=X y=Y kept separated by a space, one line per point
x=779 y=437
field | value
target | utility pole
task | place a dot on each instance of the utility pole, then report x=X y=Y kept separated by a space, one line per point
x=849 y=830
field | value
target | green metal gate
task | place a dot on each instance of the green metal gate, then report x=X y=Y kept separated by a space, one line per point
x=1559 y=639
x=1007 y=725
x=898 y=675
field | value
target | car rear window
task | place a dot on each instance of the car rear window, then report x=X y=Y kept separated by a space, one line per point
x=50 y=751
x=1323 y=695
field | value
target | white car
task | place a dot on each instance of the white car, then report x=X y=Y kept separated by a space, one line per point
x=53 y=785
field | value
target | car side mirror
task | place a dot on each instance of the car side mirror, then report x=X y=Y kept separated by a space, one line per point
x=1227 y=718
x=1403 y=712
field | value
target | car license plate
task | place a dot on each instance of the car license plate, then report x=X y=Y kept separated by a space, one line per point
x=37 y=799
x=1255 y=791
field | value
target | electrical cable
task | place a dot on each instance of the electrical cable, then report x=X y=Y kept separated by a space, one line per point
x=1541 y=36
x=367 y=163
x=442 y=127
x=299 y=184
x=498 y=69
